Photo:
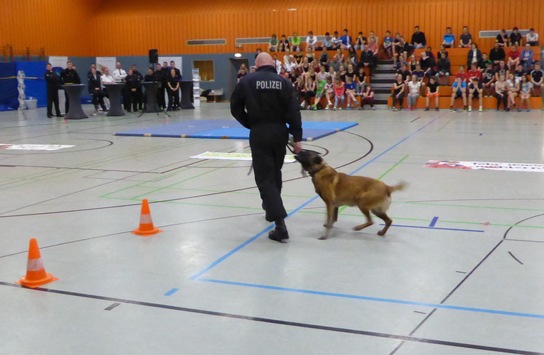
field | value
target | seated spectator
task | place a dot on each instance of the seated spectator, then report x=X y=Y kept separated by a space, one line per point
x=387 y=46
x=283 y=73
x=461 y=74
x=414 y=91
x=289 y=64
x=327 y=41
x=443 y=69
x=367 y=59
x=442 y=50
x=515 y=37
x=106 y=78
x=513 y=89
x=300 y=89
x=465 y=39
x=484 y=62
x=398 y=92
x=295 y=42
x=418 y=72
x=527 y=58
x=514 y=58
x=501 y=93
x=474 y=72
x=497 y=54
x=475 y=91
x=430 y=53
x=335 y=63
x=360 y=79
x=488 y=79
x=459 y=88
x=319 y=93
x=525 y=94
x=311 y=41
x=339 y=91
x=502 y=38
x=411 y=62
x=352 y=56
x=339 y=55
x=336 y=41
x=433 y=91
x=418 y=39
x=322 y=74
x=278 y=63
x=309 y=92
x=273 y=43
x=405 y=73
x=474 y=55
x=427 y=64
x=400 y=62
x=324 y=58
x=372 y=35
x=448 y=41
x=341 y=73
x=536 y=79
x=367 y=98
x=331 y=72
x=350 y=87
x=345 y=40
x=360 y=41
x=329 y=91
x=284 y=44
x=310 y=54
x=298 y=56
x=501 y=70
x=518 y=73
x=373 y=47
x=532 y=37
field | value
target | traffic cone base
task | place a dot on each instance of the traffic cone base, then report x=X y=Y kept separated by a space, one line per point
x=35 y=271
x=146 y=226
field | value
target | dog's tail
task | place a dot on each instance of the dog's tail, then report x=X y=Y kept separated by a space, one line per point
x=400 y=186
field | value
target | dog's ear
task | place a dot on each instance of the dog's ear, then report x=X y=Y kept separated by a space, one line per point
x=317 y=160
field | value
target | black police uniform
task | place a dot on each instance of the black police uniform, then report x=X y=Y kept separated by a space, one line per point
x=69 y=76
x=134 y=88
x=95 y=89
x=266 y=103
x=53 y=83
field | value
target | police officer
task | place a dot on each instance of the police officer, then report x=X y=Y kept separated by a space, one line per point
x=69 y=76
x=53 y=83
x=265 y=103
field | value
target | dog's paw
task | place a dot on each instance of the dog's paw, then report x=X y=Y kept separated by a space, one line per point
x=381 y=233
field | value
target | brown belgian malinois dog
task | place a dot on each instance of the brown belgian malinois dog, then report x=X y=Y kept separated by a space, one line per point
x=339 y=189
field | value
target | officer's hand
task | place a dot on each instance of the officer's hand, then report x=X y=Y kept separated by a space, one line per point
x=297 y=147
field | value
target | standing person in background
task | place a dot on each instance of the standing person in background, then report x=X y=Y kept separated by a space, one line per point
x=266 y=104
x=173 y=91
x=53 y=84
x=119 y=74
x=69 y=76
x=140 y=92
x=134 y=89
x=95 y=89
x=161 y=92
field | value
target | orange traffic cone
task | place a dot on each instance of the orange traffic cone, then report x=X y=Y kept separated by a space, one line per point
x=146 y=224
x=35 y=272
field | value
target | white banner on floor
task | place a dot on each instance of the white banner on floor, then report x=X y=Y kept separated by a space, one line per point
x=34 y=146
x=234 y=156
x=478 y=165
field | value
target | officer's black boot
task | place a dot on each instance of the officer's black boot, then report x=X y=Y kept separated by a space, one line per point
x=279 y=234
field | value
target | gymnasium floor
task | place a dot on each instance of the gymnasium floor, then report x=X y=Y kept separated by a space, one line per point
x=459 y=272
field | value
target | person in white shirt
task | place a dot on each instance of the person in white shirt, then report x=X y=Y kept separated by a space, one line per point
x=106 y=78
x=311 y=40
x=119 y=74
x=290 y=64
x=414 y=87
x=532 y=37
x=278 y=64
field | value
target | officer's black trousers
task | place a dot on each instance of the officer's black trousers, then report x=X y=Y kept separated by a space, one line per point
x=268 y=152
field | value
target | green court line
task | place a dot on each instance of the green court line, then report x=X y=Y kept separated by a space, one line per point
x=447 y=123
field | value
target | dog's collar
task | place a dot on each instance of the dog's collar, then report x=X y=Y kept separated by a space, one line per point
x=312 y=173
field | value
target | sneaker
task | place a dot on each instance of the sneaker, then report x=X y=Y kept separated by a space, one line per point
x=528 y=110
x=426 y=109
x=340 y=108
x=373 y=108
x=394 y=109
x=480 y=109
x=470 y=109
x=334 y=108
x=452 y=109
x=437 y=109
x=326 y=108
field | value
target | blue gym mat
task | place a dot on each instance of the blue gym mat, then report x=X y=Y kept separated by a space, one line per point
x=229 y=129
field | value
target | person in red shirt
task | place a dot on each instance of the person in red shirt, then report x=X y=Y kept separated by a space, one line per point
x=462 y=74
x=514 y=58
x=474 y=72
